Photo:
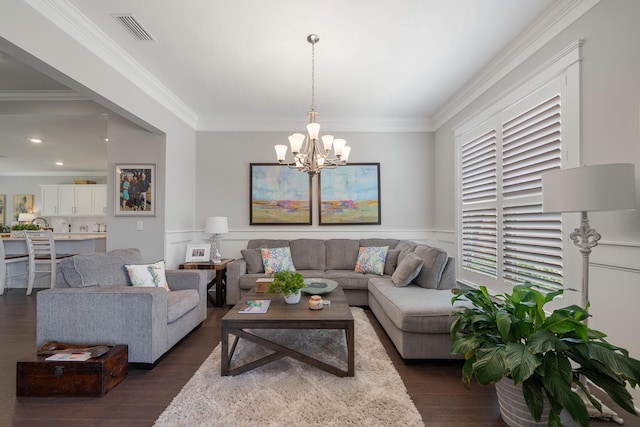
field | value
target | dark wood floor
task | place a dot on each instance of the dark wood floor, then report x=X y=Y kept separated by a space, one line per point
x=434 y=386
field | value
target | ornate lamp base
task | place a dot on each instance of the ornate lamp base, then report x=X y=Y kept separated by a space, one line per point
x=216 y=248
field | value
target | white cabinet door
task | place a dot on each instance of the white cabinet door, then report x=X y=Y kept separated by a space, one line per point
x=84 y=200
x=66 y=199
x=99 y=200
x=49 y=200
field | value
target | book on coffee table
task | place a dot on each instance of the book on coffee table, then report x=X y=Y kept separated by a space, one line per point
x=255 y=306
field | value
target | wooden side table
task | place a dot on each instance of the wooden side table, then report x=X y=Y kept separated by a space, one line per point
x=220 y=281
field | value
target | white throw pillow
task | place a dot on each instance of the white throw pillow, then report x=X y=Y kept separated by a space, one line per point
x=149 y=275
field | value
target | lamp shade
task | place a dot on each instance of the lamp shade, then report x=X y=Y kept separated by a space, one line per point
x=26 y=217
x=216 y=225
x=607 y=187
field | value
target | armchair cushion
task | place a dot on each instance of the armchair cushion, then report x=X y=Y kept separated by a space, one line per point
x=102 y=269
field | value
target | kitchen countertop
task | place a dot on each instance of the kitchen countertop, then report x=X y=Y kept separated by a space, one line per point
x=65 y=236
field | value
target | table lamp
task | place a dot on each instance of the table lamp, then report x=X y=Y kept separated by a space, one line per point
x=216 y=225
x=608 y=187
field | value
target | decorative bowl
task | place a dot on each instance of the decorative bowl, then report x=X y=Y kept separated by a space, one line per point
x=319 y=286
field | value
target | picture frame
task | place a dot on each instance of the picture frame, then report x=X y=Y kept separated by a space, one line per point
x=22 y=203
x=198 y=253
x=135 y=185
x=350 y=195
x=3 y=208
x=279 y=195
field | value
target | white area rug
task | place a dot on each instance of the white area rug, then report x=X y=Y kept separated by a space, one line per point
x=291 y=393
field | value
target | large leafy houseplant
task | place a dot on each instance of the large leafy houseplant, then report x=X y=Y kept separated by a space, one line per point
x=511 y=336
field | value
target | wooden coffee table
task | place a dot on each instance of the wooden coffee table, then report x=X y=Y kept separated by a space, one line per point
x=287 y=316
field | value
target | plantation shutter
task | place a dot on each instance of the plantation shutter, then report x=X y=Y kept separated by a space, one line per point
x=504 y=237
x=531 y=239
x=479 y=196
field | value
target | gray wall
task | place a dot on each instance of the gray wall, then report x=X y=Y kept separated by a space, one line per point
x=129 y=143
x=406 y=184
x=610 y=133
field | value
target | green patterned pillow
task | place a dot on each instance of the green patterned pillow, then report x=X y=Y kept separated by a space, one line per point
x=371 y=259
x=149 y=275
x=277 y=259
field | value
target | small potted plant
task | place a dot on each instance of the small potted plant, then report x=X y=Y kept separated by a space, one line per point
x=17 y=230
x=288 y=283
x=509 y=340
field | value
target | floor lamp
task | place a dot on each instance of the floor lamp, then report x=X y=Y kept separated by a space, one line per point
x=216 y=225
x=584 y=189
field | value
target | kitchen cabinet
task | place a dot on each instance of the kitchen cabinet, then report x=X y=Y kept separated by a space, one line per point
x=74 y=200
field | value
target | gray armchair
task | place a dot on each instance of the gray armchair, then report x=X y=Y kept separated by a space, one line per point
x=94 y=303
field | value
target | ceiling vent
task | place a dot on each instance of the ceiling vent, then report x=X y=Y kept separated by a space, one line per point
x=133 y=26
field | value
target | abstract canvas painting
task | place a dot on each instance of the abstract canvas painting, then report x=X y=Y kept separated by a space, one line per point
x=279 y=195
x=350 y=194
x=3 y=207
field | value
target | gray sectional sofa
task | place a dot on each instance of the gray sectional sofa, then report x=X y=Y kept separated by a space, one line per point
x=416 y=317
x=94 y=303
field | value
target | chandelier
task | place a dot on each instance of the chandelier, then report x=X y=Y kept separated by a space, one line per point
x=309 y=154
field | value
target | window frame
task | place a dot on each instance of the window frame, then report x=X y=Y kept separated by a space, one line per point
x=560 y=73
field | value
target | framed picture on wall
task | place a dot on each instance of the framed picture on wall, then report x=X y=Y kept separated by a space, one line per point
x=22 y=203
x=350 y=195
x=279 y=195
x=3 y=208
x=135 y=193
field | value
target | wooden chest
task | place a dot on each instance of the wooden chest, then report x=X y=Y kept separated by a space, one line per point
x=93 y=377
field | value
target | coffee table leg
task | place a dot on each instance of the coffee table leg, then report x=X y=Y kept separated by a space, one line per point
x=351 y=349
x=224 y=360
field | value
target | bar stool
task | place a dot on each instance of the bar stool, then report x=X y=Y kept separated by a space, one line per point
x=4 y=260
x=42 y=251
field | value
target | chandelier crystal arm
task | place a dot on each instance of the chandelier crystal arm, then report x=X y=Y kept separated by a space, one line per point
x=311 y=153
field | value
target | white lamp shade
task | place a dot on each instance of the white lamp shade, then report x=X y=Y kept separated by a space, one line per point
x=345 y=153
x=338 y=145
x=296 y=141
x=281 y=152
x=327 y=141
x=26 y=217
x=216 y=225
x=607 y=187
x=314 y=130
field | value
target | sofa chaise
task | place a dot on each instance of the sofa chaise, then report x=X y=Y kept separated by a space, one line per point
x=94 y=302
x=416 y=314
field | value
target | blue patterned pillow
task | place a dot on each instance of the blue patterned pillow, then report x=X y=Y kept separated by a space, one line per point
x=277 y=259
x=371 y=259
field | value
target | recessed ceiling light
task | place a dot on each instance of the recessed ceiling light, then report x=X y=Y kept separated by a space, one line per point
x=59 y=164
x=106 y=140
x=35 y=140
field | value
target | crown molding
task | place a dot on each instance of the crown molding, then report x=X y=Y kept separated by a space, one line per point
x=41 y=95
x=558 y=17
x=331 y=124
x=56 y=173
x=70 y=20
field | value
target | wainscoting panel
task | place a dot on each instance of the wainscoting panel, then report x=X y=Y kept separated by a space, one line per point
x=614 y=293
